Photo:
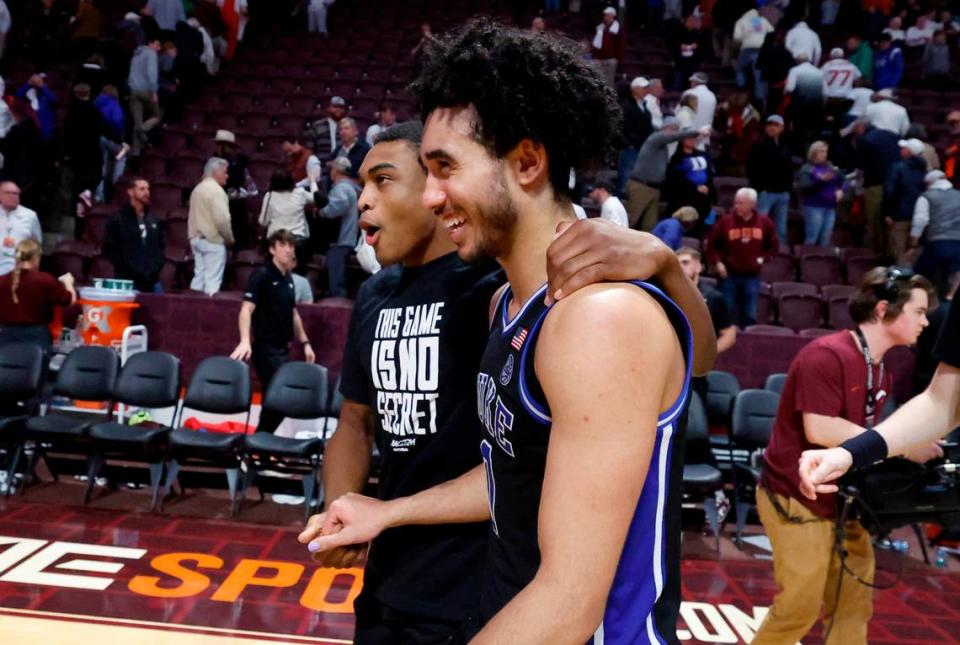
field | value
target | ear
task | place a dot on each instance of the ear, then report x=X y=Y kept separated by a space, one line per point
x=881 y=310
x=528 y=160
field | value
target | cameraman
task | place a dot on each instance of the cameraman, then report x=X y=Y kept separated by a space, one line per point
x=835 y=386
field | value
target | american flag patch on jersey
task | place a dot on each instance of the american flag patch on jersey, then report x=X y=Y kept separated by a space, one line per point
x=518 y=339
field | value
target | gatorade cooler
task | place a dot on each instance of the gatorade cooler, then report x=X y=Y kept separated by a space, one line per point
x=106 y=313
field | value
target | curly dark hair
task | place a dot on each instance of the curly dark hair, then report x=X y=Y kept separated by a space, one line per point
x=524 y=86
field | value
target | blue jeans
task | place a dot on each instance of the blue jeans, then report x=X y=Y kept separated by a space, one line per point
x=551 y=5
x=741 y=294
x=818 y=225
x=775 y=206
x=747 y=64
x=628 y=157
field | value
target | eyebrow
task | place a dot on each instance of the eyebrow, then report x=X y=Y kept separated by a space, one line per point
x=437 y=154
x=380 y=166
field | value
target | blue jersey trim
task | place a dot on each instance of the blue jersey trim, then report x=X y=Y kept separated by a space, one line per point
x=537 y=411
x=508 y=324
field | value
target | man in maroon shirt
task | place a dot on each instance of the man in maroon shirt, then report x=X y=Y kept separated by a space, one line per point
x=835 y=385
x=739 y=244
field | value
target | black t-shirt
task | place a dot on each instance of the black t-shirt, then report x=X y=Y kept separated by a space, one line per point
x=948 y=345
x=273 y=294
x=717 y=305
x=412 y=355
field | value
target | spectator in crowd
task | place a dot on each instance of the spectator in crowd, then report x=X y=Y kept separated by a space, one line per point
x=951 y=156
x=134 y=240
x=803 y=41
x=805 y=88
x=602 y=193
x=738 y=123
x=861 y=55
x=689 y=180
x=749 y=33
x=686 y=111
x=886 y=114
x=24 y=150
x=426 y=37
x=652 y=100
x=113 y=148
x=45 y=27
x=240 y=186
x=637 y=126
x=342 y=205
x=895 y=29
x=284 y=207
x=235 y=16
x=208 y=227
x=538 y=26
x=920 y=34
x=770 y=171
x=42 y=101
x=821 y=188
x=917 y=131
x=83 y=128
x=351 y=145
x=6 y=114
x=300 y=159
x=87 y=25
x=739 y=243
x=839 y=75
x=876 y=152
x=687 y=55
x=167 y=13
x=706 y=108
x=888 y=65
x=936 y=219
x=608 y=44
x=386 y=116
x=17 y=223
x=269 y=310
x=28 y=296
x=861 y=97
x=774 y=63
x=649 y=173
x=144 y=81
x=671 y=230
x=936 y=60
x=317 y=16
x=5 y=23
x=324 y=132
x=904 y=184
x=725 y=14
x=167 y=81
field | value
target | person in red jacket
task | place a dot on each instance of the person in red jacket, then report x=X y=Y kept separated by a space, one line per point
x=738 y=245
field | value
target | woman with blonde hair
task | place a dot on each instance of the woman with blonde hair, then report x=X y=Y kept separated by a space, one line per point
x=821 y=189
x=28 y=296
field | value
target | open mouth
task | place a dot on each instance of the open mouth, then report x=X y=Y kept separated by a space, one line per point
x=371 y=232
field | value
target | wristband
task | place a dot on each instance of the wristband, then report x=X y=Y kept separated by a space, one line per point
x=867 y=448
x=305 y=342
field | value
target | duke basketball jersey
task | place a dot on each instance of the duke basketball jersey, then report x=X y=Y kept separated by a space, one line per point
x=644 y=599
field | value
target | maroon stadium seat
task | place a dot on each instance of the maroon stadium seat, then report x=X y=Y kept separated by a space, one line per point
x=778 y=289
x=821 y=269
x=64 y=261
x=94 y=229
x=193 y=118
x=257 y=122
x=764 y=308
x=803 y=250
x=101 y=267
x=800 y=312
x=165 y=196
x=815 y=332
x=857 y=267
x=293 y=123
x=838 y=313
x=770 y=330
x=153 y=166
x=831 y=291
x=177 y=233
x=271 y=103
x=225 y=120
x=780 y=268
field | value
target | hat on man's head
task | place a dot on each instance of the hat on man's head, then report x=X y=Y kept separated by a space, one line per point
x=775 y=118
x=609 y=11
x=885 y=93
x=131 y=16
x=934 y=176
x=699 y=77
x=342 y=164
x=338 y=101
x=837 y=52
x=915 y=146
x=640 y=81
x=225 y=136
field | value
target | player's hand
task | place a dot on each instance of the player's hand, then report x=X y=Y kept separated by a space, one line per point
x=924 y=452
x=242 y=352
x=819 y=467
x=351 y=520
x=308 y=354
x=595 y=250
x=342 y=557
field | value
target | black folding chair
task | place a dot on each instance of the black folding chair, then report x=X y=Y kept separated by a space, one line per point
x=147 y=380
x=701 y=479
x=21 y=376
x=88 y=373
x=220 y=385
x=298 y=391
x=754 y=414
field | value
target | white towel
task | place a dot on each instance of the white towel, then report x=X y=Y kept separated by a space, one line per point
x=598 y=38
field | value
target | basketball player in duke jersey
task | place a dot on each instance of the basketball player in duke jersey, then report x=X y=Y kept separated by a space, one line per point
x=580 y=402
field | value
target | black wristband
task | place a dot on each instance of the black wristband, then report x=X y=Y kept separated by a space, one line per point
x=867 y=448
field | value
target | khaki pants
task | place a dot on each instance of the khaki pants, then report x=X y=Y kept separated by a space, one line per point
x=146 y=116
x=806 y=568
x=643 y=205
x=897 y=237
x=873 y=214
x=608 y=67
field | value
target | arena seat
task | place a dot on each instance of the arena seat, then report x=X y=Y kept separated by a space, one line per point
x=779 y=289
x=148 y=380
x=701 y=479
x=775 y=383
x=753 y=416
x=831 y=291
x=220 y=385
x=800 y=311
x=21 y=374
x=815 y=332
x=838 y=313
x=769 y=330
x=858 y=266
x=780 y=268
x=298 y=391
x=821 y=269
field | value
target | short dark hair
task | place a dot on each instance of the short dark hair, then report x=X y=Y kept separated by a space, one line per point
x=409 y=131
x=281 y=236
x=524 y=86
x=689 y=250
x=387 y=105
x=281 y=181
x=893 y=284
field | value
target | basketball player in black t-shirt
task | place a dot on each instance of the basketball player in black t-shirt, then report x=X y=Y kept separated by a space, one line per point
x=416 y=337
x=930 y=415
x=579 y=402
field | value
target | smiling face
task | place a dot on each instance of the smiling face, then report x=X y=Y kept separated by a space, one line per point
x=466 y=186
x=392 y=215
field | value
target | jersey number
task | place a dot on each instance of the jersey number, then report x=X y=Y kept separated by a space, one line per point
x=835 y=74
x=486 y=450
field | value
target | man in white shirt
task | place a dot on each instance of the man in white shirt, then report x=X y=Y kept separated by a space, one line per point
x=886 y=114
x=895 y=29
x=611 y=208
x=839 y=75
x=862 y=96
x=17 y=223
x=921 y=33
x=652 y=102
x=801 y=40
x=706 y=105
x=386 y=117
